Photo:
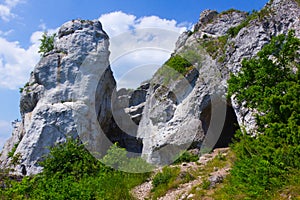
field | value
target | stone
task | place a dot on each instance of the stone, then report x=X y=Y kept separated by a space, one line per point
x=68 y=95
x=215 y=179
x=194 y=115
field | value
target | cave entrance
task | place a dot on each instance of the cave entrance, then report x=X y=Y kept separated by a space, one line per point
x=229 y=128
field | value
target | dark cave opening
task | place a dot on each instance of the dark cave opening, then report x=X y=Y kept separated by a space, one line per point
x=229 y=128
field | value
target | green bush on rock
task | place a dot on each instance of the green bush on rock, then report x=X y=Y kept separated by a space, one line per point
x=47 y=43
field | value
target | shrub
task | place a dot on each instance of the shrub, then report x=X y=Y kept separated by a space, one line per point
x=116 y=158
x=165 y=180
x=47 y=43
x=165 y=176
x=268 y=83
x=70 y=172
x=216 y=46
x=178 y=63
x=69 y=158
x=186 y=157
x=13 y=150
x=233 y=31
x=174 y=69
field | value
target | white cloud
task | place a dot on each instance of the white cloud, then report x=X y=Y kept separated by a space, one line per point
x=5 y=132
x=17 y=62
x=5 y=9
x=134 y=42
x=116 y=23
x=139 y=42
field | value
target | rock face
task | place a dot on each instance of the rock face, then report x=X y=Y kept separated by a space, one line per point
x=71 y=92
x=214 y=24
x=191 y=109
x=61 y=98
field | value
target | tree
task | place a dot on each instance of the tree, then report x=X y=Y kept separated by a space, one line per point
x=47 y=43
x=69 y=158
x=270 y=84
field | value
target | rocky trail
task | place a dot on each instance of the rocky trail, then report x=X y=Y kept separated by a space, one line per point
x=184 y=191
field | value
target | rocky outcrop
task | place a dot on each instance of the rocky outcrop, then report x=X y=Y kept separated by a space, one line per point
x=71 y=92
x=62 y=96
x=127 y=107
x=211 y=23
x=182 y=113
x=137 y=103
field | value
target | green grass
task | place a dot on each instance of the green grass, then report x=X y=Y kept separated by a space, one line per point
x=169 y=178
x=175 y=68
x=186 y=157
x=220 y=161
x=230 y=11
x=216 y=47
x=165 y=180
x=254 y=15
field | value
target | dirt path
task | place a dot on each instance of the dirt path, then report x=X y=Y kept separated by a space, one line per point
x=143 y=191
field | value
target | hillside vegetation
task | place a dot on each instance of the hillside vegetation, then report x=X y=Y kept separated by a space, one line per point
x=269 y=84
x=71 y=172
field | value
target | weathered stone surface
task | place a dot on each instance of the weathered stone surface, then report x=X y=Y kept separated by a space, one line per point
x=214 y=24
x=205 y=17
x=70 y=91
x=68 y=95
x=170 y=124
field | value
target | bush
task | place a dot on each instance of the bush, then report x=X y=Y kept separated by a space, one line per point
x=178 y=63
x=116 y=158
x=186 y=157
x=165 y=180
x=233 y=31
x=12 y=152
x=174 y=69
x=47 y=43
x=269 y=84
x=69 y=158
x=71 y=172
x=166 y=176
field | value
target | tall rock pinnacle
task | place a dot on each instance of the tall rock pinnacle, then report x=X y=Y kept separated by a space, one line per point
x=59 y=101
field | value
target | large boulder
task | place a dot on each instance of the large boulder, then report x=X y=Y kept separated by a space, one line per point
x=68 y=95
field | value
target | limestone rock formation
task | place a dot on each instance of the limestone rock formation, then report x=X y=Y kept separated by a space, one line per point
x=192 y=109
x=61 y=98
x=71 y=92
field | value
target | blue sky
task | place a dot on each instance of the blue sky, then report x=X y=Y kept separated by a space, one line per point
x=23 y=21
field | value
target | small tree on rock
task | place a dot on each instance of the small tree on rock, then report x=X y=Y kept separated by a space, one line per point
x=47 y=43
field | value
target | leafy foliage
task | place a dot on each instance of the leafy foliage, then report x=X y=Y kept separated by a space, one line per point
x=175 y=68
x=47 y=43
x=179 y=63
x=12 y=152
x=71 y=172
x=216 y=46
x=69 y=158
x=116 y=158
x=165 y=176
x=270 y=84
x=165 y=180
